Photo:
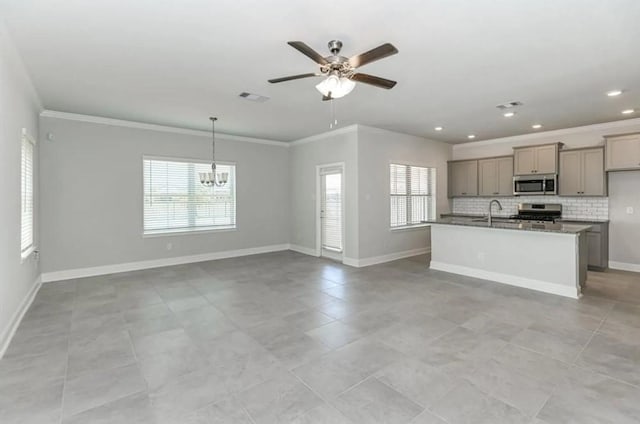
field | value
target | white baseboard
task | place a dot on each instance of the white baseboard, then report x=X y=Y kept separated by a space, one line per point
x=512 y=280
x=303 y=250
x=623 y=266
x=8 y=333
x=374 y=260
x=156 y=263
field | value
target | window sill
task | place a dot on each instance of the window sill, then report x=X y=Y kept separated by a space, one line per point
x=184 y=232
x=409 y=227
x=24 y=256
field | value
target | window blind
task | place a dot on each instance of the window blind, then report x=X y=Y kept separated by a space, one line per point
x=26 y=234
x=174 y=199
x=332 y=211
x=412 y=194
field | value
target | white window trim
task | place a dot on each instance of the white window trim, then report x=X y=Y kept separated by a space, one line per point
x=26 y=254
x=409 y=227
x=435 y=194
x=185 y=231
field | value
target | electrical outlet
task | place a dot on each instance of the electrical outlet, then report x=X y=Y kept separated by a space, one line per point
x=630 y=210
x=169 y=246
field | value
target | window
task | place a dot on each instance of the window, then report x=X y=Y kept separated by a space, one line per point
x=412 y=194
x=26 y=204
x=175 y=201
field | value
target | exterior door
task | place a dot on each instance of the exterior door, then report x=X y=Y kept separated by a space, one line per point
x=331 y=212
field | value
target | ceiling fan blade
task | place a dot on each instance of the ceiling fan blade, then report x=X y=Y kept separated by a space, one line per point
x=308 y=51
x=292 y=77
x=378 y=53
x=373 y=80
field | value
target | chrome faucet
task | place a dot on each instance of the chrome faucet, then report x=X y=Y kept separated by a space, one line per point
x=491 y=204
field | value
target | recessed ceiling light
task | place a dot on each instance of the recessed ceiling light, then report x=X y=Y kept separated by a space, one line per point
x=438 y=128
x=471 y=136
x=508 y=114
x=536 y=126
x=628 y=111
x=614 y=93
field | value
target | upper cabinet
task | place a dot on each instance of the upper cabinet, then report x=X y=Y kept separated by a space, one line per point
x=495 y=176
x=463 y=178
x=536 y=159
x=623 y=152
x=582 y=172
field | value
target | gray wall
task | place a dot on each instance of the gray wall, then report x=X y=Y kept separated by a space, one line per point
x=376 y=150
x=367 y=153
x=304 y=156
x=624 y=230
x=19 y=108
x=91 y=199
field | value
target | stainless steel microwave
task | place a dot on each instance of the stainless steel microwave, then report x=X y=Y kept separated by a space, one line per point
x=526 y=185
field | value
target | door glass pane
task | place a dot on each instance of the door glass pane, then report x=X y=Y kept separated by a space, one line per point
x=331 y=213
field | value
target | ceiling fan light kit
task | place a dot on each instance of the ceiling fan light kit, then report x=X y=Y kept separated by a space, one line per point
x=339 y=70
x=335 y=87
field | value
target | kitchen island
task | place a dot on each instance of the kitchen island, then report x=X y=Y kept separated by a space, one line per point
x=548 y=257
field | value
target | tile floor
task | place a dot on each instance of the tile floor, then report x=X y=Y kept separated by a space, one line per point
x=286 y=338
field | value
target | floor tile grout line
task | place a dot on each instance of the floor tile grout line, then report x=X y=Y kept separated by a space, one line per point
x=66 y=369
x=319 y=395
x=593 y=334
x=572 y=364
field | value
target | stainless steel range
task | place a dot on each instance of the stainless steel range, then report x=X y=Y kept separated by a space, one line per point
x=538 y=212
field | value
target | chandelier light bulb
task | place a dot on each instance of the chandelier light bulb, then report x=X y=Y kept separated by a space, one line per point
x=335 y=87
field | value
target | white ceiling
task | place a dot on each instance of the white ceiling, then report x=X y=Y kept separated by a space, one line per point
x=178 y=62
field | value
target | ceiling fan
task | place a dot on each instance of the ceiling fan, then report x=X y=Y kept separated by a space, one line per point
x=340 y=72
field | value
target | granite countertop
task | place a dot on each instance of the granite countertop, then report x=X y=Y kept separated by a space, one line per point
x=580 y=220
x=506 y=224
x=586 y=221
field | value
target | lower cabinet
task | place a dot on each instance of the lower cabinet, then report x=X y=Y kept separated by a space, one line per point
x=598 y=244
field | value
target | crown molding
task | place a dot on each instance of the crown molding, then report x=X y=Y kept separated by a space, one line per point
x=605 y=126
x=376 y=130
x=322 y=136
x=154 y=127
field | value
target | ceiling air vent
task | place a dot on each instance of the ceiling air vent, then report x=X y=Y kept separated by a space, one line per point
x=509 y=105
x=253 y=97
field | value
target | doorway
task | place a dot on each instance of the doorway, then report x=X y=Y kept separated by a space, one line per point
x=331 y=211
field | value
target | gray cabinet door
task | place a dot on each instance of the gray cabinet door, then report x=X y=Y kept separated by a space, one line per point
x=471 y=188
x=457 y=177
x=546 y=159
x=463 y=178
x=488 y=177
x=524 y=161
x=505 y=176
x=593 y=175
x=570 y=177
x=623 y=152
x=594 y=242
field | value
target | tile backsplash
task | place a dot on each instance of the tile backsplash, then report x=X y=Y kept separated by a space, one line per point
x=572 y=207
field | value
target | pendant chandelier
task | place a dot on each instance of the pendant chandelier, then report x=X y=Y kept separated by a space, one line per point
x=213 y=178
